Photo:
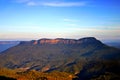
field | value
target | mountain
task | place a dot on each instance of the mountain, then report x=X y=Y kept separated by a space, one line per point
x=87 y=57
x=4 y=45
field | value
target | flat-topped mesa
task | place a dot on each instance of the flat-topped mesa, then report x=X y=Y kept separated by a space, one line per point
x=57 y=41
x=69 y=41
x=63 y=41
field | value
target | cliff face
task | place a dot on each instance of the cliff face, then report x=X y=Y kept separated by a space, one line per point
x=62 y=41
x=58 y=41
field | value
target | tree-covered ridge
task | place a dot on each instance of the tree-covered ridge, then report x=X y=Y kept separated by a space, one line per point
x=16 y=74
x=34 y=75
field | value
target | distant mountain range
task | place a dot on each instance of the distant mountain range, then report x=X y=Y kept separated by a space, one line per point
x=114 y=44
x=7 y=44
x=86 y=57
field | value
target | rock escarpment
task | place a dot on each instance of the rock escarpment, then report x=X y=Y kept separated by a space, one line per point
x=62 y=41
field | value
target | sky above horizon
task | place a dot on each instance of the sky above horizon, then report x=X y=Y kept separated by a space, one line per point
x=35 y=19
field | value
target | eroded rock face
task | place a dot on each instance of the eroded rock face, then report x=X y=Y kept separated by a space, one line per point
x=35 y=42
x=57 y=41
x=49 y=41
x=62 y=41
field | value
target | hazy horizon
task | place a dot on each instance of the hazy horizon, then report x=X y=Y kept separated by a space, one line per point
x=104 y=41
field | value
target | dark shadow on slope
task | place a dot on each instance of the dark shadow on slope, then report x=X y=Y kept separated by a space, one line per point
x=93 y=69
x=6 y=78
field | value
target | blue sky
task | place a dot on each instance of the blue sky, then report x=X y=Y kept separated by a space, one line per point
x=35 y=19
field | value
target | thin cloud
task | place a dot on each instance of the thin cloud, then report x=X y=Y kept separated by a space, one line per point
x=64 y=4
x=51 y=3
x=70 y=20
x=32 y=3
